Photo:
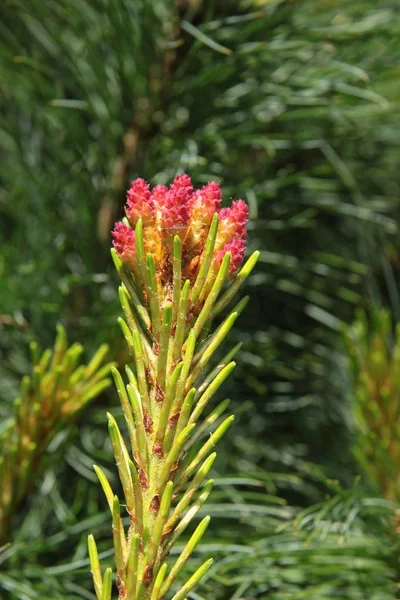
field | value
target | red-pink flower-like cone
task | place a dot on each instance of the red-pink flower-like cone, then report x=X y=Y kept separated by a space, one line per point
x=231 y=237
x=236 y=249
x=232 y=223
x=175 y=208
x=124 y=243
x=182 y=182
x=159 y=196
x=181 y=211
x=139 y=203
x=204 y=204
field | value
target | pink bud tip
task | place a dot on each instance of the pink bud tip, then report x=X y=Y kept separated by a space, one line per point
x=159 y=195
x=139 y=202
x=182 y=182
x=240 y=213
x=123 y=240
x=175 y=207
x=232 y=224
x=237 y=216
x=236 y=248
x=175 y=210
x=208 y=197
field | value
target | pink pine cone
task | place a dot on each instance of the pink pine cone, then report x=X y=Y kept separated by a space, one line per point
x=159 y=196
x=124 y=242
x=235 y=218
x=237 y=249
x=208 y=198
x=181 y=210
x=183 y=182
x=175 y=211
x=139 y=202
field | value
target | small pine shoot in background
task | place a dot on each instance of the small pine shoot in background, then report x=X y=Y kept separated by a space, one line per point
x=50 y=399
x=373 y=343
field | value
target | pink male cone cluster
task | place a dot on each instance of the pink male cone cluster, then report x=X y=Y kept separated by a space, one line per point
x=181 y=210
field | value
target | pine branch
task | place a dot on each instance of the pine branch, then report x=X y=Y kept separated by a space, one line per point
x=373 y=344
x=49 y=401
x=169 y=236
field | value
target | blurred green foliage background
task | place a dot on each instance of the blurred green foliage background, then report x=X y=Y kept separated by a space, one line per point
x=293 y=106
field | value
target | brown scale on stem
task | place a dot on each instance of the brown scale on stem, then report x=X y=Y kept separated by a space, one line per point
x=148 y=575
x=166 y=533
x=173 y=420
x=166 y=274
x=155 y=503
x=173 y=329
x=145 y=297
x=191 y=268
x=143 y=480
x=149 y=376
x=158 y=449
x=194 y=311
x=159 y=395
x=173 y=470
x=121 y=588
x=173 y=365
x=148 y=423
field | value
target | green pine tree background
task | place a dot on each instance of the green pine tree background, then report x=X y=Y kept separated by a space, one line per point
x=293 y=106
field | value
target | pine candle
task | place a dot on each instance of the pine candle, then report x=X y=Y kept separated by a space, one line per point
x=178 y=255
